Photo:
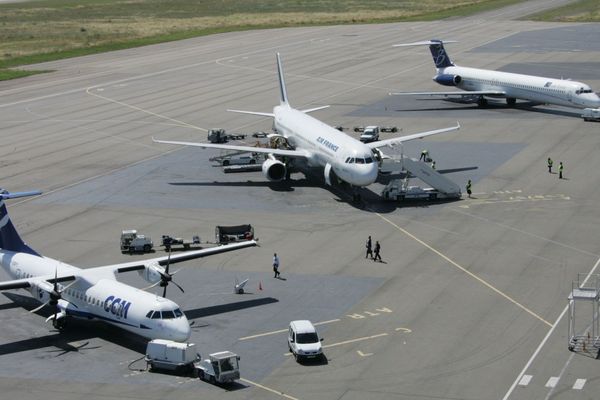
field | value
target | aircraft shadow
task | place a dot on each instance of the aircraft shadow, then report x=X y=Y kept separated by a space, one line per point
x=225 y=308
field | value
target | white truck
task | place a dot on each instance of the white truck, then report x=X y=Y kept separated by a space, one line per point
x=172 y=356
x=132 y=242
x=591 y=114
x=370 y=134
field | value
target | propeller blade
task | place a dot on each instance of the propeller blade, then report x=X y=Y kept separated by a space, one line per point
x=39 y=308
x=165 y=291
x=151 y=286
x=180 y=288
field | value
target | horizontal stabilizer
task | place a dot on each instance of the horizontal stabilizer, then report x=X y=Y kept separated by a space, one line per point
x=262 y=114
x=425 y=43
x=309 y=110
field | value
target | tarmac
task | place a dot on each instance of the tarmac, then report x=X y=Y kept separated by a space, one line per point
x=470 y=301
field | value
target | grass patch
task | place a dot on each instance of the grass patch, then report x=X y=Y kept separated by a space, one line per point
x=37 y=31
x=580 y=11
x=6 y=74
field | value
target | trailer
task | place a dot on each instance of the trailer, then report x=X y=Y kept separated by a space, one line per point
x=168 y=355
x=236 y=136
x=168 y=242
x=237 y=233
x=221 y=367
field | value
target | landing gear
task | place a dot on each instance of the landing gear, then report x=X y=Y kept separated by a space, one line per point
x=511 y=101
x=59 y=323
x=482 y=102
x=355 y=195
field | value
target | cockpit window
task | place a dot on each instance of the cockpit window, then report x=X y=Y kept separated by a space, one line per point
x=369 y=160
x=178 y=313
x=360 y=160
x=168 y=314
x=156 y=315
x=149 y=314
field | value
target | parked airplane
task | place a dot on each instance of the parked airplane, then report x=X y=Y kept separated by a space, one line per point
x=95 y=293
x=316 y=144
x=482 y=83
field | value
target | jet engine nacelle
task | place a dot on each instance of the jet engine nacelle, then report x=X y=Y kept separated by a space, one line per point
x=274 y=170
x=448 y=80
x=152 y=272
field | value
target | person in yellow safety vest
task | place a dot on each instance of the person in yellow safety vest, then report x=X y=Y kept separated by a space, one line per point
x=469 y=188
x=424 y=155
x=560 y=170
x=550 y=162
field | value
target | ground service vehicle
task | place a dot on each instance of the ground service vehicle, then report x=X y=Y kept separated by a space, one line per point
x=132 y=242
x=169 y=241
x=226 y=234
x=591 y=114
x=370 y=134
x=241 y=159
x=170 y=355
x=217 y=136
x=221 y=367
x=303 y=340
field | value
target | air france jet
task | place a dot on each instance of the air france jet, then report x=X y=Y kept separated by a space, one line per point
x=482 y=83
x=95 y=293
x=316 y=144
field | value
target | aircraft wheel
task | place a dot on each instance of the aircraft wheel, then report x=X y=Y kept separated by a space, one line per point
x=511 y=101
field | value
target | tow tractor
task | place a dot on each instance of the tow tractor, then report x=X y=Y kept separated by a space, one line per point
x=221 y=367
x=132 y=242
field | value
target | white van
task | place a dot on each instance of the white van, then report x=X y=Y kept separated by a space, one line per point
x=303 y=340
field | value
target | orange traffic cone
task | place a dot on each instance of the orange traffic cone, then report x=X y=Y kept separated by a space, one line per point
x=259 y=285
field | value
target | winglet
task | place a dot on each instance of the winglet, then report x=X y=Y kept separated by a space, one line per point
x=282 y=90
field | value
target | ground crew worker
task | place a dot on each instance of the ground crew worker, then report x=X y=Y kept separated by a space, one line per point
x=276 y=265
x=469 y=188
x=550 y=162
x=377 y=250
x=369 y=249
x=560 y=170
x=424 y=155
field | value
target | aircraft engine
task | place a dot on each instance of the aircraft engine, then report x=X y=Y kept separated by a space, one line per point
x=448 y=80
x=42 y=291
x=152 y=273
x=274 y=170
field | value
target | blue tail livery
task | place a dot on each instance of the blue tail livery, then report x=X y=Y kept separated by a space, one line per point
x=9 y=238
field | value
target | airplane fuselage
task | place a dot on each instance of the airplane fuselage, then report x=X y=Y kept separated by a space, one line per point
x=101 y=297
x=527 y=87
x=351 y=160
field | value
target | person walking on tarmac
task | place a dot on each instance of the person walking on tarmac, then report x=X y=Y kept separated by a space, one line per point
x=377 y=250
x=469 y=185
x=550 y=162
x=424 y=155
x=560 y=170
x=369 y=248
x=276 y=265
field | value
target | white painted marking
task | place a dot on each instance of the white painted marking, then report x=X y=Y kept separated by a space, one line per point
x=268 y=389
x=552 y=382
x=404 y=330
x=285 y=330
x=539 y=348
x=579 y=383
x=525 y=380
x=360 y=353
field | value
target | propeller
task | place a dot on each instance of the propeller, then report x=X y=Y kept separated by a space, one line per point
x=55 y=295
x=166 y=277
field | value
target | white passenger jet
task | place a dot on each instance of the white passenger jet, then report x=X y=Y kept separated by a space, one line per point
x=482 y=83
x=95 y=293
x=316 y=144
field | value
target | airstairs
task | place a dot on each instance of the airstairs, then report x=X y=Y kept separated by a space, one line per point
x=399 y=189
x=584 y=335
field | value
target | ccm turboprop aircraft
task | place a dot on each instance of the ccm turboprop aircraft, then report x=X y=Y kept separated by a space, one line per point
x=316 y=144
x=482 y=83
x=95 y=293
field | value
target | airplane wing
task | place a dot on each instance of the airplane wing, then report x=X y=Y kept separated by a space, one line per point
x=401 y=139
x=278 y=152
x=453 y=93
x=175 y=258
x=27 y=282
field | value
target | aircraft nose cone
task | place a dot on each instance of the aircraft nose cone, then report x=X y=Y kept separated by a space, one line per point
x=181 y=331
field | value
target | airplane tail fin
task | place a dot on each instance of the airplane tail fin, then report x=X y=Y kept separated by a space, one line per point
x=283 y=99
x=438 y=52
x=9 y=238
